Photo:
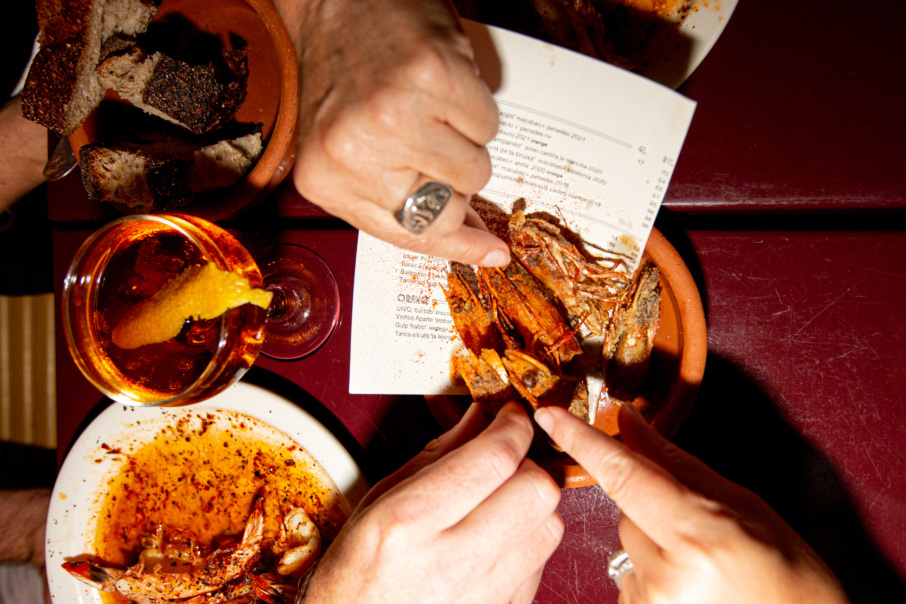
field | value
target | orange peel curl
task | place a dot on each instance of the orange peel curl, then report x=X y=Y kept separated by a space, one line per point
x=200 y=293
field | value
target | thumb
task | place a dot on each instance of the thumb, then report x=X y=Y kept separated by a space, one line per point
x=470 y=245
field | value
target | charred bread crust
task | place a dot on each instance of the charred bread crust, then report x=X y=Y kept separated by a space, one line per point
x=166 y=178
x=51 y=79
x=199 y=97
x=60 y=20
x=62 y=87
x=167 y=173
x=158 y=183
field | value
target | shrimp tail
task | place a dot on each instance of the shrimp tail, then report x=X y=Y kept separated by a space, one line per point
x=271 y=589
x=91 y=574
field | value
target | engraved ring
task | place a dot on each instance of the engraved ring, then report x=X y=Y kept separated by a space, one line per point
x=618 y=564
x=423 y=207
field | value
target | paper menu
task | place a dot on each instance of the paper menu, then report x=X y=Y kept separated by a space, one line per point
x=578 y=138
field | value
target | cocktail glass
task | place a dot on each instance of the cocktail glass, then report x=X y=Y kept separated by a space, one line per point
x=131 y=258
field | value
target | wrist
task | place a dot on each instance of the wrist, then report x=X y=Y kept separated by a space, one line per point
x=303 y=17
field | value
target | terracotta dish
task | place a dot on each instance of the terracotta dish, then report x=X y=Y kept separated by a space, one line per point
x=271 y=100
x=677 y=366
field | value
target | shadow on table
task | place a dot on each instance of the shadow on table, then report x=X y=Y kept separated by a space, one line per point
x=735 y=428
x=27 y=466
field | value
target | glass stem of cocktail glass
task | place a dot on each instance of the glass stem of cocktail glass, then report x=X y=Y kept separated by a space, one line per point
x=305 y=308
x=290 y=307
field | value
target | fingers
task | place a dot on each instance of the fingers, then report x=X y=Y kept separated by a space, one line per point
x=525 y=593
x=642 y=490
x=646 y=556
x=442 y=154
x=465 y=240
x=402 y=134
x=526 y=500
x=466 y=244
x=637 y=434
x=378 y=120
x=443 y=70
x=466 y=476
x=642 y=437
x=470 y=425
x=457 y=233
x=471 y=111
x=513 y=575
x=517 y=573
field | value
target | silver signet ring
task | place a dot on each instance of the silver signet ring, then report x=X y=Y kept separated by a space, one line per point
x=423 y=207
x=618 y=564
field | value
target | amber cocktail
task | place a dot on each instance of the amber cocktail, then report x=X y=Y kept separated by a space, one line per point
x=127 y=261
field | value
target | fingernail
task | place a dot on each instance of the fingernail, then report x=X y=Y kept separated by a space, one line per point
x=543 y=418
x=496 y=258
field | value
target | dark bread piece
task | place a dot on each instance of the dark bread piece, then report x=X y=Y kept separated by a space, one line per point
x=62 y=86
x=163 y=175
x=144 y=180
x=199 y=98
x=51 y=81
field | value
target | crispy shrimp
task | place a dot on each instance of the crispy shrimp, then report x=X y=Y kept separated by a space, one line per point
x=486 y=378
x=588 y=290
x=298 y=544
x=267 y=588
x=542 y=387
x=630 y=337
x=519 y=325
x=470 y=314
x=518 y=296
x=221 y=567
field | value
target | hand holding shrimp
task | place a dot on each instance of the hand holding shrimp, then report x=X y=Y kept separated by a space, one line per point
x=391 y=99
x=691 y=534
x=469 y=519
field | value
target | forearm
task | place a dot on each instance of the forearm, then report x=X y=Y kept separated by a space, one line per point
x=23 y=516
x=316 y=26
x=23 y=154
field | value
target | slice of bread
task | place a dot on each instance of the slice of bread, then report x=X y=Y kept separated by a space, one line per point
x=160 y=176
x=62 y=86
x=199 y=98
x=61 y=20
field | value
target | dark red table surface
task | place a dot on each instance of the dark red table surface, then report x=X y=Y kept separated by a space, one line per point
x=799 y=108
x=801 y=401
x=803 y=396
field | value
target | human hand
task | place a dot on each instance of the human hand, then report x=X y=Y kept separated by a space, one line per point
x=23 y=153
x=692 y=535
x=391 y=99
x=469 y=519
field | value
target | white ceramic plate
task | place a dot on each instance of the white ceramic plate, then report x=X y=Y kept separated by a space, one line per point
x=696 y=36
x=69 y=520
